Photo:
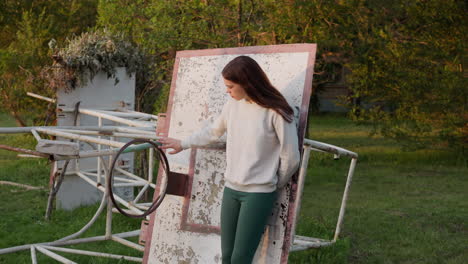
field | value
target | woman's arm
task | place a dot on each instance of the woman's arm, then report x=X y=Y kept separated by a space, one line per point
x=289 y=153
x=202 y=137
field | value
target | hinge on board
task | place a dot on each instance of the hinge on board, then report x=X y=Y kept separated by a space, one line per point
x=161 y=124
x=143 y=230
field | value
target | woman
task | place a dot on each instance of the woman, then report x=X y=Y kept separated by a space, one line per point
x=261 y=152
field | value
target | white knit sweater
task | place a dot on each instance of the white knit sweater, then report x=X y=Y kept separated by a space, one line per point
x=262 y=149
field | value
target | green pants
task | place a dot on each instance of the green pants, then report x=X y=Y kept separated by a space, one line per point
x=243 y=219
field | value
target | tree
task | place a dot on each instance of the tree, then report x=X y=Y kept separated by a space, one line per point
x=26 y=28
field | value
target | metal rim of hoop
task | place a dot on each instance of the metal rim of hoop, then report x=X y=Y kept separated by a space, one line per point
x=165 y=165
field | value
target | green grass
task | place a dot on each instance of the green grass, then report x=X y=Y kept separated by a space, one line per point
x=22 y=211
x=404 y=207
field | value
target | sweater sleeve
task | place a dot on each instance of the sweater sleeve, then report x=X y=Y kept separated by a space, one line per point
x=289 y=149
x=210 y=133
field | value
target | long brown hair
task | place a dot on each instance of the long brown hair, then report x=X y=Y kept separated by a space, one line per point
x=245 y=71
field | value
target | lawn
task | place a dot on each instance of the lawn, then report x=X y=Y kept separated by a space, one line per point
x=404 y=207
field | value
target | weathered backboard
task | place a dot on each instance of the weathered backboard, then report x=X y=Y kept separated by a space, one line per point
x=185 y=229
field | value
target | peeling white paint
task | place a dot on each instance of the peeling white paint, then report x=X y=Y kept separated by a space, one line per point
x=198 y=97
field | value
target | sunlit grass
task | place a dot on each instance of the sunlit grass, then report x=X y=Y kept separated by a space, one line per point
x=404 y=207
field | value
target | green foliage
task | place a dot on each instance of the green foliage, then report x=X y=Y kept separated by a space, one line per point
x=25 y=29
x=407 y=72
x=93 y=52
x=405 y=58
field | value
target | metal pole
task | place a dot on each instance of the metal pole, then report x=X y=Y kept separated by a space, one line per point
x=69 y=242
x=81 y=138
x=109 y=202
x=116 y=119
x=131 y=175
x=54 y=255
x=92 y=253
x=41 y=97
x=114 y=134
x=102 y=189
x=140 y=194
x=300 y=189
x=98 y=159
x=345 y=199
x=33 y=255
x=17 y=130
x=128 y=243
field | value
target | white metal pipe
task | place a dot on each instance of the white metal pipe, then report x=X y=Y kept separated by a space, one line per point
x=145 y=204
x=128 y=243
x=15 y=130
x=116 y=197
x=117 y=113
x=55 y=132
x=98 y=159
x=155 y=117
x=130 y=184
x=115 y=118
x=114 y=210
x=54 y=255
x=300 y=189
x=150 y=165
x=330 y=148
x=92 y=253
x=69 y=242
x=114 y=134
x=90 y=223
x=130 y=114
x=126 y=180
x=135 y=130
x=28 y=156
x=35 y=134
x=41 y=97
x=142 y=207
x=131 y=175
x=345 y=198
x=109 y=203
x=33 y=255
x=140 y=194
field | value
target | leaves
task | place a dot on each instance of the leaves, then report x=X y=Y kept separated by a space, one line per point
x=93 y=52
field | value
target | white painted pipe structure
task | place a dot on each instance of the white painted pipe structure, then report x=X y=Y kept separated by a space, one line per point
x=33 y=255
x=50 y=100
x=300 y=188
x=81 y=138
x=19 y=130
x=54 y=255
x=113 y=134
x=330 y=148
x=119 y=113
x=102 y=189
x=345 y=198
x=68 y=242
x=128 y=243
x=116 y=119
x=92 y=253
x=301 y=242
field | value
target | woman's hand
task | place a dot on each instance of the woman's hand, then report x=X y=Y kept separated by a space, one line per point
x=170 y=143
